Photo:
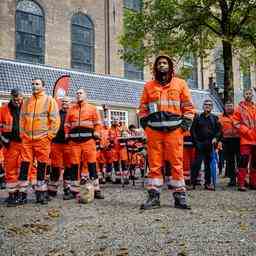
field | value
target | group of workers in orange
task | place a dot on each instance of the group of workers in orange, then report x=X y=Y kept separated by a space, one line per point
x=42 y=143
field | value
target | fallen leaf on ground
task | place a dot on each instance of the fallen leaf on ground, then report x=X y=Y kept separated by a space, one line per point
x=54 y=213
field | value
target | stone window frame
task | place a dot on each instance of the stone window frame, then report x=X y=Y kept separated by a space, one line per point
x=89 y=28
x=34 y=13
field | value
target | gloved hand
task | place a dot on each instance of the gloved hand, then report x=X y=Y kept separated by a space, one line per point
x=96 y=136
x=185 y=124
x=144 y=122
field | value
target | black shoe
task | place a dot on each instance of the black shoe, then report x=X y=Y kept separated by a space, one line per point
x=98 y=194
x=126 y=181
x=180 y=200
x=232 y=184
x=52 y=193
x=68 y=195
x=153 y=200
x=12 y=200
x=117 y=181
x=22 y=198
x=42 y=197
x=108 y=179
x=102 y=181
x=83 y=181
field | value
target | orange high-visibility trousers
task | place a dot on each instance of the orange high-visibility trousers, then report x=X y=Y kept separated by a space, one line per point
x=32 y=174
x=12 y=159
x=165 y=147
x=60 y=155
x=189 y=155
x=84 y=152
x=40 y=151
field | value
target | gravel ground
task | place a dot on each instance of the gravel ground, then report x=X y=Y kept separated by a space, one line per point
x=220 y=223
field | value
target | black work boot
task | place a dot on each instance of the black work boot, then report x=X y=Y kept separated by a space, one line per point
x=12 y=200
x=98 y=194
x=180 y=200
x=41 y=197
x=68 y=195
x=52 y=193
x=153 y=200
x=22 y=198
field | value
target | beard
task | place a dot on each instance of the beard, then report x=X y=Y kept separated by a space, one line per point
x=163 y=76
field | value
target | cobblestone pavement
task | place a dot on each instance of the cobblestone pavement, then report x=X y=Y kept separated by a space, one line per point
x=220 y=223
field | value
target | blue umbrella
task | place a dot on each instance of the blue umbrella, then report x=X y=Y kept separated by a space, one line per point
x=213 y=166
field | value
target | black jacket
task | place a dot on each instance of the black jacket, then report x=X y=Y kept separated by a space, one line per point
x=205 y=128
x=60 y=136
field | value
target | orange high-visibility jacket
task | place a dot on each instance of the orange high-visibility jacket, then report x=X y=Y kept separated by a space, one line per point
x=166 y=106
x=39 y=117
x=104 y=138
x=245 y=121
x=82 y=121
x=228 y=126
x=114 y=135
x=6 y=119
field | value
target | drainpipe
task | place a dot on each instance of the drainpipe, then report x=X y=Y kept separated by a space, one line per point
x=107 y=37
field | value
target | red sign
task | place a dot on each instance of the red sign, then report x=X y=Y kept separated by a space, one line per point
x=60 y=89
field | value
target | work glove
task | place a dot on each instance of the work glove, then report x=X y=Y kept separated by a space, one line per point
x=96 y=136
x=186 y=124
x=144 y=122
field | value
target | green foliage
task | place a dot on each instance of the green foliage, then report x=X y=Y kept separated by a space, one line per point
x=179 y=27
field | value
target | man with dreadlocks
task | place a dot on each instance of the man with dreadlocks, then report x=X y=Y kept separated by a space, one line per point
x=166 y=112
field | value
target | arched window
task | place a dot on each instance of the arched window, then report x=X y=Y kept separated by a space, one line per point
x=82 y=37
x=29 y=32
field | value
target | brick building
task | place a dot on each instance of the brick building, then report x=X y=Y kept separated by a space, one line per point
x=79 y=38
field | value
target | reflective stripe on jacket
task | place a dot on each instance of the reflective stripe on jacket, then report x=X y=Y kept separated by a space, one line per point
x=166 y=106
x=82 y=121
x=39 y=117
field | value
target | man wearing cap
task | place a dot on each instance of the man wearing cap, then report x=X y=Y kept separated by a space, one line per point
x=39 y=124
x=10 y=138
x=166 y=111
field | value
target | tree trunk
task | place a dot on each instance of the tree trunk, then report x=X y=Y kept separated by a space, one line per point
x=228 y=72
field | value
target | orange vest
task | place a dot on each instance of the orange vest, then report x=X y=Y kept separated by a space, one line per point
x=104 y=136
x=114 y=135
x=228 y=126
x=39 y=117
x=245 y=121
x=173 y=100
x=82 y=120
x=6 y=119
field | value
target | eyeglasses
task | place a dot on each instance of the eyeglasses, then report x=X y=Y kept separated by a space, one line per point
x=206 y=104
x=35 y=83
